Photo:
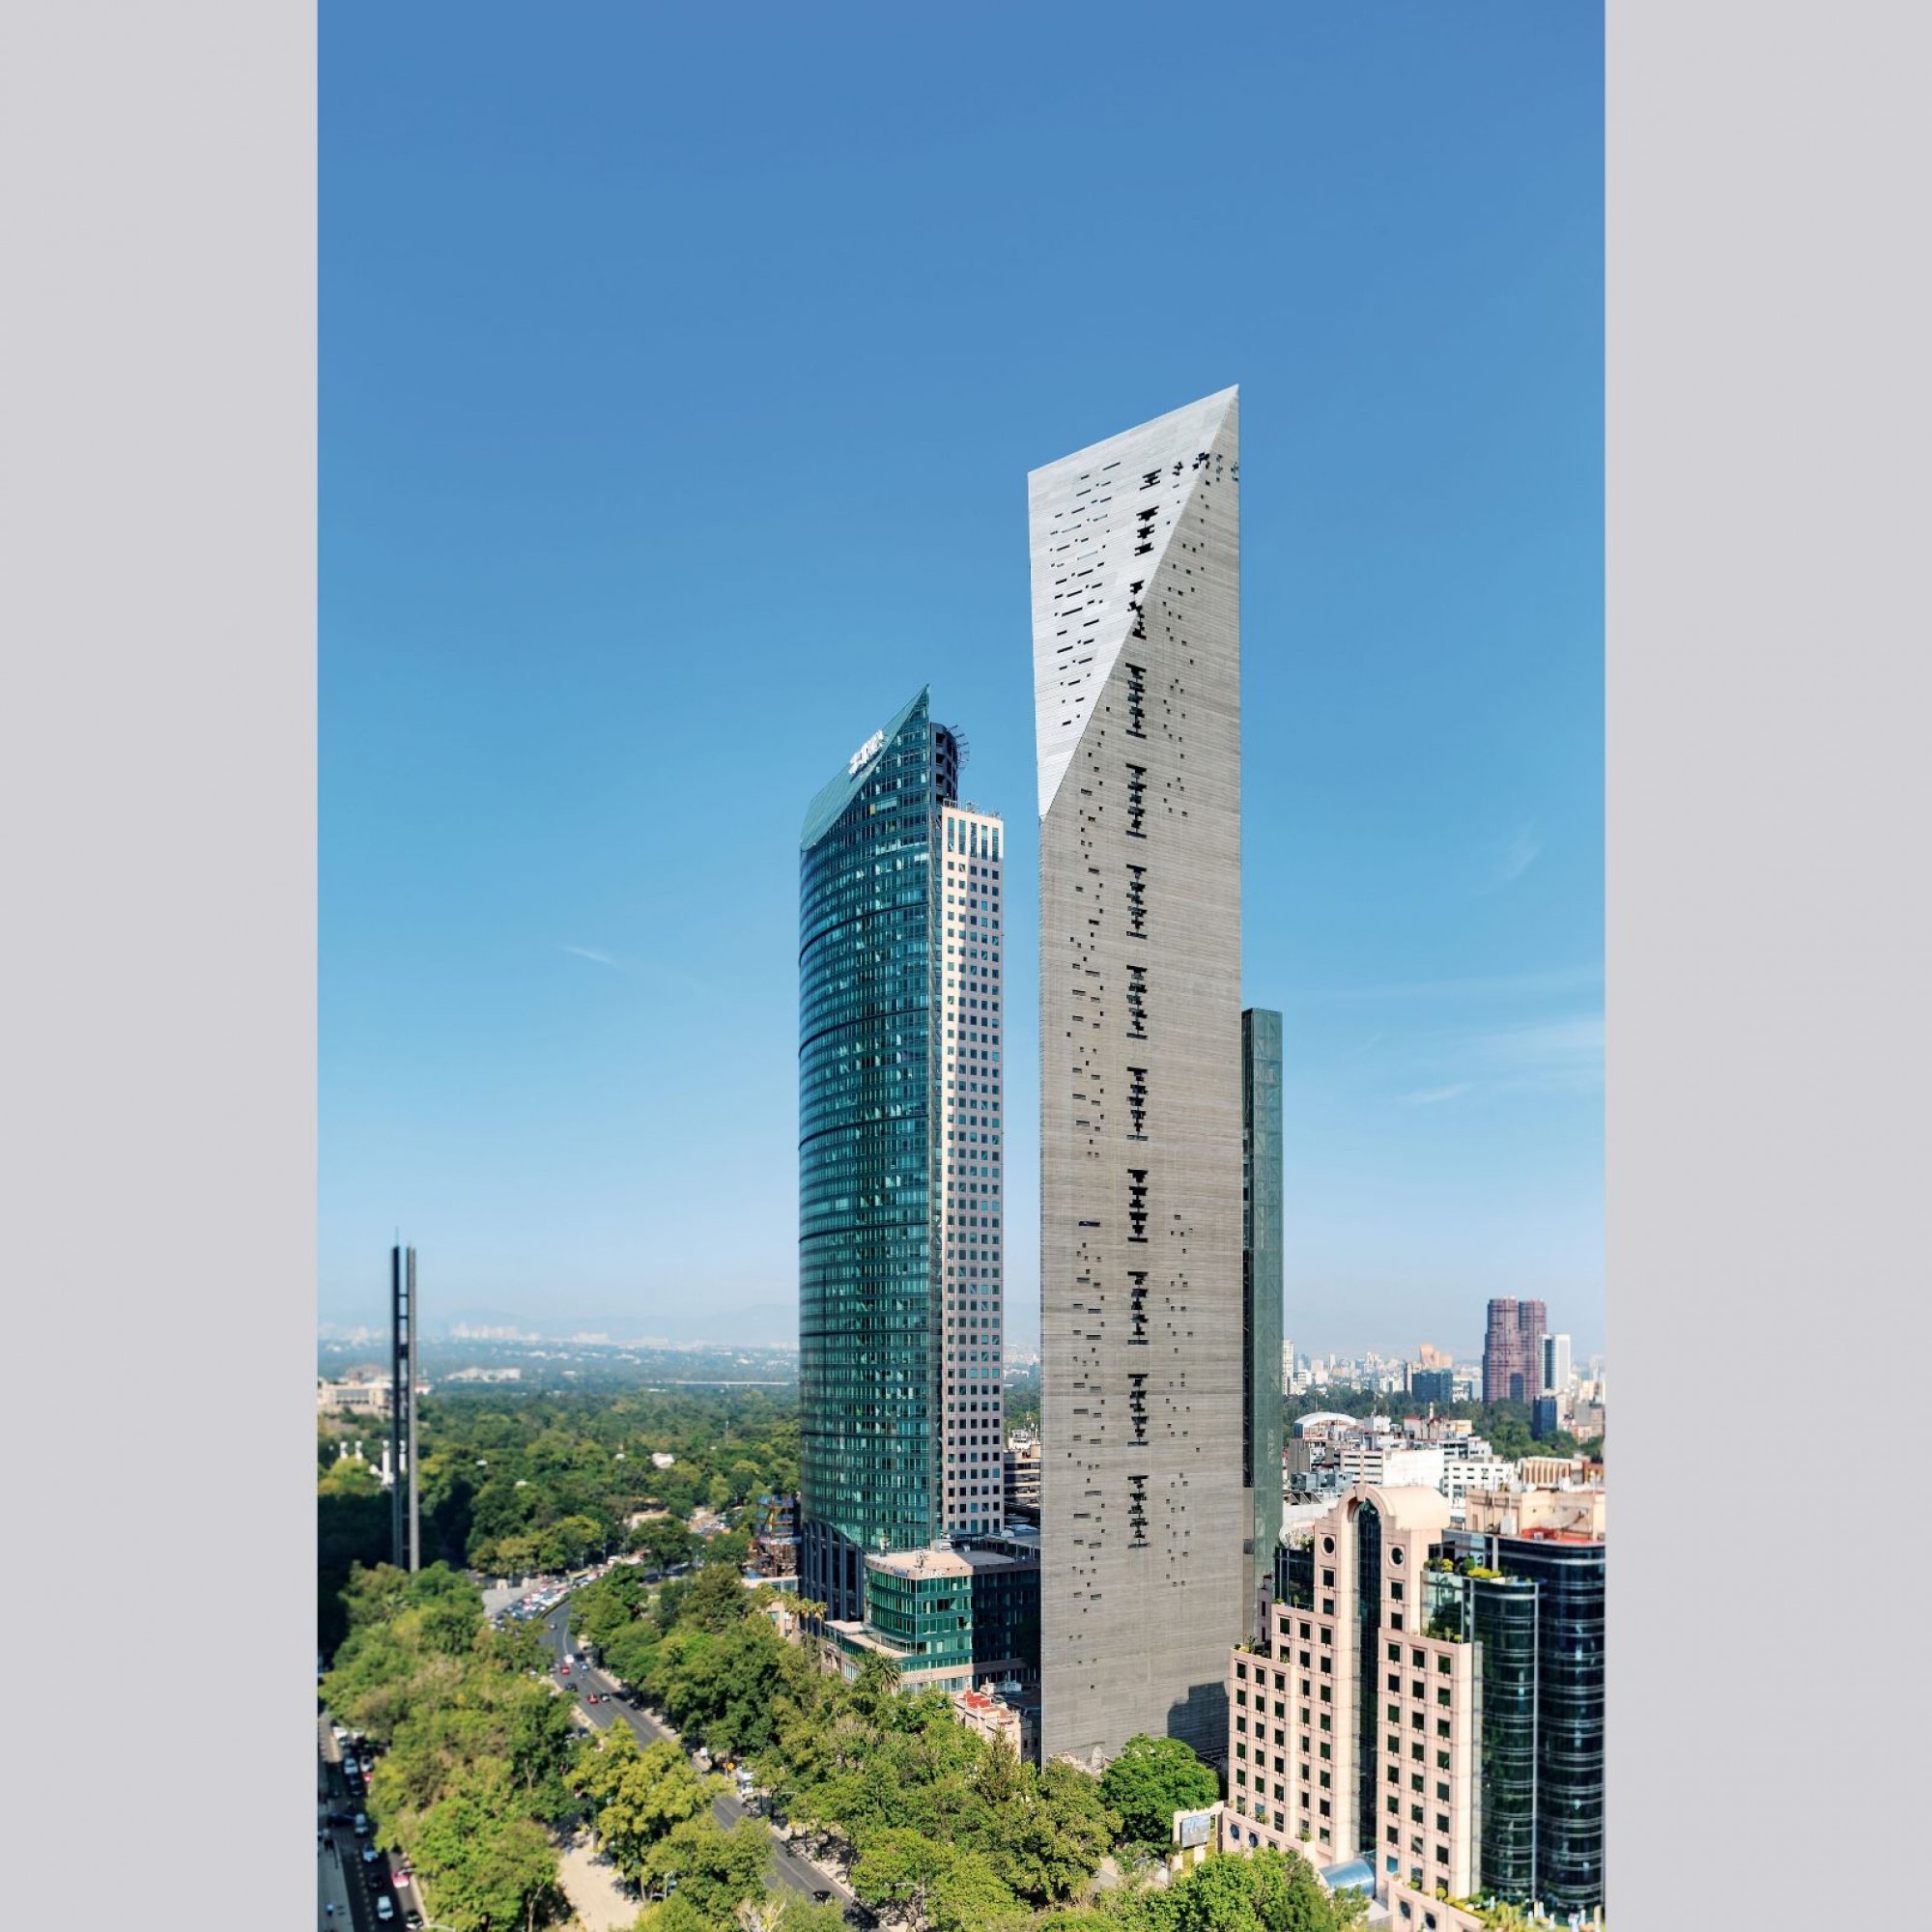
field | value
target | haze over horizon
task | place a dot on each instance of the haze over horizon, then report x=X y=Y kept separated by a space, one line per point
x=667 y=453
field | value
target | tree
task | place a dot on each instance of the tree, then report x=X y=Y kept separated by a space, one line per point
x=664 y=1540
x=799 y=1914
x=717 y=1599
x=1072 y=1832
x=899 y=1868
x=713 y=1871
x=481 y=1868
x=1262 y=1890
x=637 y=1796
x=876 y=1684
x=1150 y=1781
x=938 y=1887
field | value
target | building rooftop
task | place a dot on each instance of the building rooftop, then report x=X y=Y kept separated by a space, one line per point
x=939 y=1561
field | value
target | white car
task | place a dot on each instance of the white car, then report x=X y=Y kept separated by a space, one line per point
x=361 y=1823
x=384 y=1911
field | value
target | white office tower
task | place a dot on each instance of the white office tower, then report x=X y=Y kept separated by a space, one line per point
x=971 y=921
x=1136 y=616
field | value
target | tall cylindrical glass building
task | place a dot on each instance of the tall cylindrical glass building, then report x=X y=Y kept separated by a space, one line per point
x=898 y=1112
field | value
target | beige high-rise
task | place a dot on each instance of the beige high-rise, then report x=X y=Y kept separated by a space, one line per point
x=1136 y=608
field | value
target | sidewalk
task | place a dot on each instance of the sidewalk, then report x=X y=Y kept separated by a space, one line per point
x=595 y=1892
x=332 y=1888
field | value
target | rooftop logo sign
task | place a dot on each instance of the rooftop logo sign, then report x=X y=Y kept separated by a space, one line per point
x=866 y=754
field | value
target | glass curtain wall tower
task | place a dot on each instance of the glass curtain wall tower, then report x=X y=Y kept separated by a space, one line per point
x=1136 y=625
x=900 y=1149
x=1260 y=1300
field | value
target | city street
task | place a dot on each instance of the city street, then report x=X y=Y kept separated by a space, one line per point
x=342 y=1881
x=790 y=1866
x=341 y=1873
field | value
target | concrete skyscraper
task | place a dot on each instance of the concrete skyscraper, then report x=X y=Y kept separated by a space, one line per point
x=901 y=1135
x=1145 y=1356
x=1513 y=1350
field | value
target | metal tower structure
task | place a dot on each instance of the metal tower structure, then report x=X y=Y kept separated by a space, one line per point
x=405 y=1524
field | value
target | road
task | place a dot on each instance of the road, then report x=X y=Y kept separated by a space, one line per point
x=343 y=1878
x=790 y=1866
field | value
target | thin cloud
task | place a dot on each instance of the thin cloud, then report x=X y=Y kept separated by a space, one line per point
x=637 y=968
x=592 y=954
x=1499 y=987
x=1432 y=1097
x=1552 y=1056
x=1518 y=856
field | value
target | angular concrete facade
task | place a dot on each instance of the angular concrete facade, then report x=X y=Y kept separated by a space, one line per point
x=1136 y=608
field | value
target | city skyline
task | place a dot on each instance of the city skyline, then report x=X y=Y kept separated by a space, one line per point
x=555 y=1027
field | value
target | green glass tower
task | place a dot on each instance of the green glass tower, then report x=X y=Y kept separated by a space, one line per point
x=1260 y=1300
x=899 y=1137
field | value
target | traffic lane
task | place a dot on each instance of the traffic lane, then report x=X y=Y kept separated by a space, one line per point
x=790 y=1866
x=347 y=1850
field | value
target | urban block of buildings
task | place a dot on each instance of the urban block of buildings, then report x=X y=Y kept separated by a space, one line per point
x=1429 y=1702
x=1388 y=1635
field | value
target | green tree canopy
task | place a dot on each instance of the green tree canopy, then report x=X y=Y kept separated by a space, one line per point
x=1150 y=1781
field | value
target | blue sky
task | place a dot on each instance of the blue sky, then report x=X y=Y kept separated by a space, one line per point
x=681 y=369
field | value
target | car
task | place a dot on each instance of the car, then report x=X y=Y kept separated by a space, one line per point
x=821 y=1898
x=591 y=1697
x=413 y=1918
x=384 y=1911
x=361 y=1823
x=403 y=1874
x=370 y=1855
x=366 y=1765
